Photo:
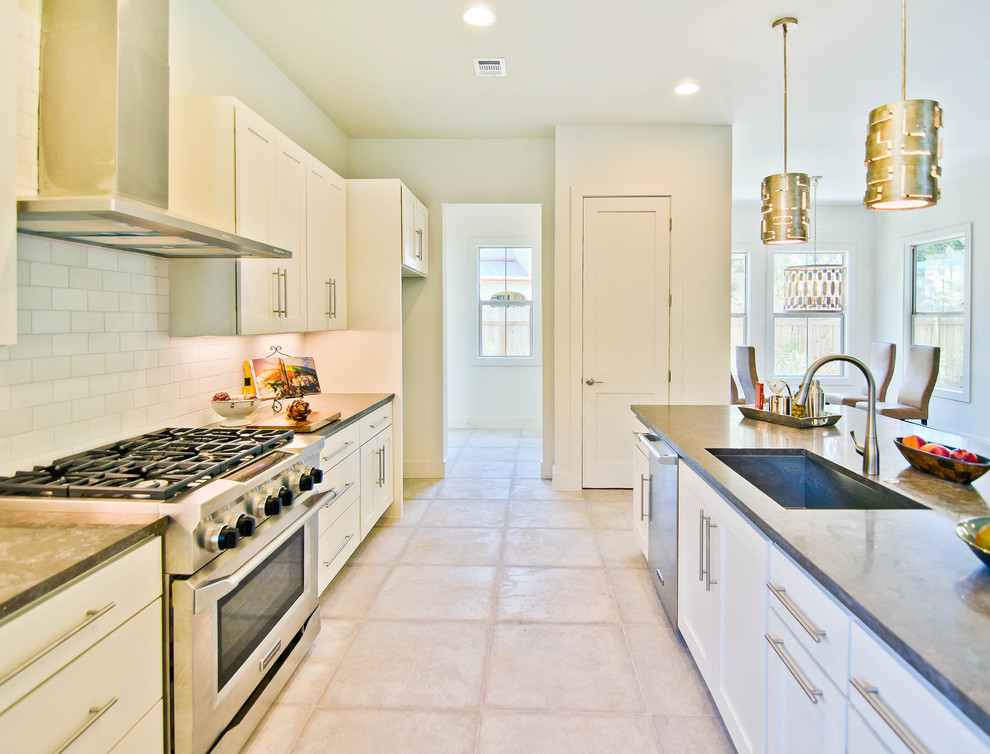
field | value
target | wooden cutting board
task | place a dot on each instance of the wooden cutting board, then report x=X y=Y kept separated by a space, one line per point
x=313 y=422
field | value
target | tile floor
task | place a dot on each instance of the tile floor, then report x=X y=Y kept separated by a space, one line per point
x=496 y=616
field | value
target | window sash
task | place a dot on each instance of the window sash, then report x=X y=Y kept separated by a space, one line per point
x=504 y=328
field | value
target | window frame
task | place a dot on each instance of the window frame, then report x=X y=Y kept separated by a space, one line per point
x=747 y=287
x=535 y=304
x=842 y=378
x=964 y=231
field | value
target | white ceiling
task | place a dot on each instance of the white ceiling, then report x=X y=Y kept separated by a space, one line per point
x=403 y=69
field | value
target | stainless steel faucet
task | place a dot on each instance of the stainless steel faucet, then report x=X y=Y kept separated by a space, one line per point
x=870 y=449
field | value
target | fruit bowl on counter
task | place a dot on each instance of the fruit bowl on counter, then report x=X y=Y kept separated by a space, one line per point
x=235 y=410
x=952 y=464
x=975 y=532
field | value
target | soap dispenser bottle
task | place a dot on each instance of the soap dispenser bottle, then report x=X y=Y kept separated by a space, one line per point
x=816 y=399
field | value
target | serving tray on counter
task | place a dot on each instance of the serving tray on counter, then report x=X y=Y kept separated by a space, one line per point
x=315 y=421
x=807 y=422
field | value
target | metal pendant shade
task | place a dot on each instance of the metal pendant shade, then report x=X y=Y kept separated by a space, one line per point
x=785 y=195
x=903 y=147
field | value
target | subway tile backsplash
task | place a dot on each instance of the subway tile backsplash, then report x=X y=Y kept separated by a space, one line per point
x=94 y=361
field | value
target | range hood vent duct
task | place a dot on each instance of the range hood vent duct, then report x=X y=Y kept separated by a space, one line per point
x=103 y=135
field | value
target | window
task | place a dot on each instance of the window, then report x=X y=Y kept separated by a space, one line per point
x=802 y=334
x=939 y=275
x=739 y=295
x=505 y=307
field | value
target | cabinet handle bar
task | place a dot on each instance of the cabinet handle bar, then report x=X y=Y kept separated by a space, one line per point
x=781 y=594
x=95 y=713
x=91 y=616
x=872 y=697
x=340 y=549
x=778 y=646
x=339 y=450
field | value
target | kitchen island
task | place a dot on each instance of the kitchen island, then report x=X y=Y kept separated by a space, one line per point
x=903 y=573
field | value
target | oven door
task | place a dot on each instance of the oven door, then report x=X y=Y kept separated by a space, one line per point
x=230 y=626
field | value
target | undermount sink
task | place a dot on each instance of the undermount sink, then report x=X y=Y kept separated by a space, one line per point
x=797 y=479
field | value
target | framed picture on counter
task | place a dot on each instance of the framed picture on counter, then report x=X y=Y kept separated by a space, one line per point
x=270 y=375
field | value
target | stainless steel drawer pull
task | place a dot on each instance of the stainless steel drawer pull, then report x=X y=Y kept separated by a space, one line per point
x=333 y=309
x=272 y=654
x=95 y=713
x=646 y=503
x=378 y=424
x=701 y=548
x=872 y=697
x=339 y=450
x=91 y=616
x=778 y=646
x=340 y=549
x=329 y=311
x=642 y=494
x=277 y=311
x=781 y=594
x=335 y=493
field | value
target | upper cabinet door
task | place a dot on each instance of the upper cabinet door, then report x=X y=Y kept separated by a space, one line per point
x=290 y=233
x=254 y=174
x=408 y=202
x=326 y=247
x=258 y=286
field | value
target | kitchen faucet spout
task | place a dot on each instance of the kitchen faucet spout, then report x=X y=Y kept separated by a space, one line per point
x=870 y=449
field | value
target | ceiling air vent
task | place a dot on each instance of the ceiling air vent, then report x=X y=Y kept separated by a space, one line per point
x=489 y=66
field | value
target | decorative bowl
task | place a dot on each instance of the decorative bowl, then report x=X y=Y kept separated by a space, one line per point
x=235 y=412
x=960 y=472
x=966 y=531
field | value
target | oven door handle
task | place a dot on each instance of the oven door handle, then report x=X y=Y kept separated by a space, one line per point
x=209 y=592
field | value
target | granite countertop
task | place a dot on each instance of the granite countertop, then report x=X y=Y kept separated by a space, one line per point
x=40 y=551
x=903 y=573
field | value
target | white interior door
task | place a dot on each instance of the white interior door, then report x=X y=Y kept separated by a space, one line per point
x=625 y=326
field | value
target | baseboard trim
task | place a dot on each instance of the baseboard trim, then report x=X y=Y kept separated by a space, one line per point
x=424 y=469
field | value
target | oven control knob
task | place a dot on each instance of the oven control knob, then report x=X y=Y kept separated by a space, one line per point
x=245 y=525
x=317 y=474
x=221 y=537
x=273 y=505
x=286 y=496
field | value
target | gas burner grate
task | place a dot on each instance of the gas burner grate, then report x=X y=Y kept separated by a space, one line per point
x=154 y=466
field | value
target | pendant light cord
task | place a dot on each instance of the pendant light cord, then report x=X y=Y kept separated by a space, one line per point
x=903 y=49
x=785 y=95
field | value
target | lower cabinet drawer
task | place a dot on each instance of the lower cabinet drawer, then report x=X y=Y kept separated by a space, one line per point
x=338 y=543
x=338 y=446
x=806 y=712
x=147 y=736
x=52 y=633
x=375 y=422
x=340 y=486
x=900 y=707
x=93 y=702
x=819 y=623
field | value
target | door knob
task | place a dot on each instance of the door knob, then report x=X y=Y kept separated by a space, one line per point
x=592 y=381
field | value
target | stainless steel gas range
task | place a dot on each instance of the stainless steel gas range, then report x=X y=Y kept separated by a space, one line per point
x=240 y=558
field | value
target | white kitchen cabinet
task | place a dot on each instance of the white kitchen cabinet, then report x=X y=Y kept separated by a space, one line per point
x=415 y=235
x=326 y=248
x=376 y=479
x=92 y=651
x=723 y=564
x=231 y=170
x=899 y=707
x=340 y=508
x=641 y=484
x=806 y=712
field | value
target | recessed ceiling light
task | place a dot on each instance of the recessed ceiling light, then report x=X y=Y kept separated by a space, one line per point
x=479 y=16
x=686 y=88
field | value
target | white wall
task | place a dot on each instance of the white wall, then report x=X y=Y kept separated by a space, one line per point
x=480 y=394
x=692 y=164
x=964 y=200
x=440 y=171
x=840 y=226
x=209 y=54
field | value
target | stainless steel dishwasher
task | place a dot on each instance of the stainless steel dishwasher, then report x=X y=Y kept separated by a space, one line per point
x=662 y=541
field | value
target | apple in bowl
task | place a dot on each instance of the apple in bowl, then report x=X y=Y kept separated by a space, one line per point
x=935 y=449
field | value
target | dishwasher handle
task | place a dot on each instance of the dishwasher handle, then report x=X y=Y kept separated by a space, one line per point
x=661 y=452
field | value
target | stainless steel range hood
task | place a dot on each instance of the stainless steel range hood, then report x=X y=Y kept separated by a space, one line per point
x=103 y=135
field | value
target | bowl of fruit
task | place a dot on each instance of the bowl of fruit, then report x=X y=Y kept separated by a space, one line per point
x=235 y=410
x=954 y=464
x=975 y=532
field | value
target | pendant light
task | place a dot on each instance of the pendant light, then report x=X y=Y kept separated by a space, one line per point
x=815 y=287
x=903 y=147
x=785 y=195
